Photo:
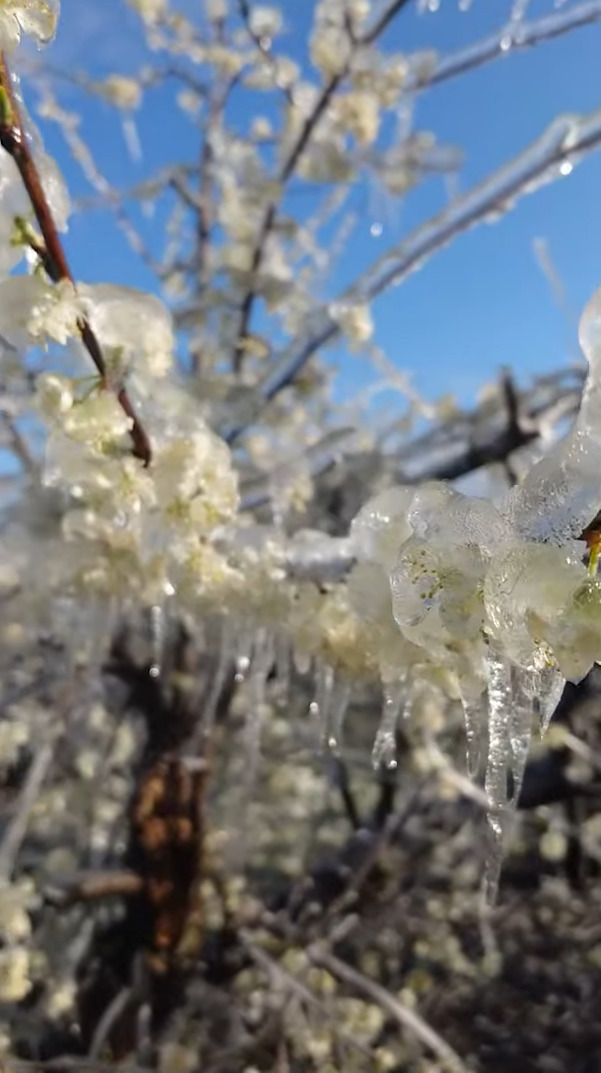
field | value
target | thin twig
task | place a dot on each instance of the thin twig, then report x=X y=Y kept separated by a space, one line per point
x=14 y=140
x=406 y=1017
x=94 y=886
x=17 y=828
x=107 y=1022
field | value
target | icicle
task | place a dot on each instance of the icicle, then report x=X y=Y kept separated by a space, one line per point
x=550 y=688
x=227 y=649
x=520 y=729
x=262 y=660
x=339 y=702
x=243 y=658
x=384 y=748
x=500 y=699
x=157 y=639
x=282 y=663
x=319 y=707
x=473 y=715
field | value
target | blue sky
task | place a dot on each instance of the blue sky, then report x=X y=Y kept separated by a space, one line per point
x=479 y=304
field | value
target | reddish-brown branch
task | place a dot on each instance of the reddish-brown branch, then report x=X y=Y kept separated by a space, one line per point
x=13 y=139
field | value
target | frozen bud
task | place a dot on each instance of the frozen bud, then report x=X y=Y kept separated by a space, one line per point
x=54 y=394
x=123 y=92
x=355 y=320
x=36 y=18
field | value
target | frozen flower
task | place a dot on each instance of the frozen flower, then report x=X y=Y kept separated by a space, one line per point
x=355 y=320
x=136 y=327
x=35 y=311
x=123 y=92
x=358 y=113
x=98 y=422
x=194 y=480
x=36 y=18
x=265 y=22
x=54 y=394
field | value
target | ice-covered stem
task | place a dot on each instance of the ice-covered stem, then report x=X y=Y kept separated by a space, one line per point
x=13 y=139
x=290 y=165
x=565 y=141
x=509 y=38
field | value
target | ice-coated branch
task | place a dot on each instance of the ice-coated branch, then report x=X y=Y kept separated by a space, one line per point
x=14 y=141
x=409 y=1020
x=509 y=38
x=383 y=22
x=552 y=156
x=17 y=828
x=289 y=167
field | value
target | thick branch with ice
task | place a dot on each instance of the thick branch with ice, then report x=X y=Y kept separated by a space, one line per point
x=551 y=157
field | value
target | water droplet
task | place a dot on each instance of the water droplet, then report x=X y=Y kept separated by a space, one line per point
x=376 y=230
x=242 y=665
x=566 y=168
x=505 y=43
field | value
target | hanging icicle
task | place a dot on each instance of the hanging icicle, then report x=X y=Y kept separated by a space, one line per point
x=334 y=727
x=157 y=639
x=384 y=751
x=499 y=709
x=474 y=716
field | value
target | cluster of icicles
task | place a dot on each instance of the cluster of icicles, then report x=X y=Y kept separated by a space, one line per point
x=494 y=603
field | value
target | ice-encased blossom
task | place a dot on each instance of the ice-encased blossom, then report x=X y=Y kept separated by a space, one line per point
x=355 y=320
x=35 y=18
x=55 y=395
x=358 y=113
x=34 y=311
x=134 y=324
x=98 y=422
x=265 y=22
x=194 y=481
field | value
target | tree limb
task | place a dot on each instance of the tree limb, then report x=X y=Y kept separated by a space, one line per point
x=14 y=141
x=565 y=141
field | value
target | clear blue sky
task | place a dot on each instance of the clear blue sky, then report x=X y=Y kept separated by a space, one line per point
x=482 y=302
